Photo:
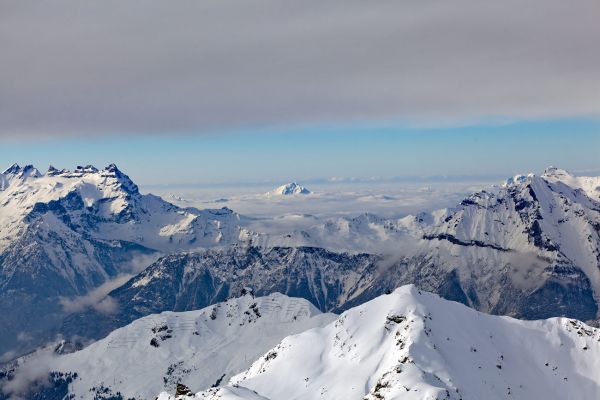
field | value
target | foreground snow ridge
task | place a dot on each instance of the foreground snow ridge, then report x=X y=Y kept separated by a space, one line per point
x=415 y=345
x=200 y=348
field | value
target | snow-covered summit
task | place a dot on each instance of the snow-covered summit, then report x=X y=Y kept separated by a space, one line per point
x=518 y=179
x=111 y=207
x=414 y=345
x=289 y=189
x=589 y=184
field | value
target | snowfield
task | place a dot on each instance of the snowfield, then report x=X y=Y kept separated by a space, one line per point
x=414 y=345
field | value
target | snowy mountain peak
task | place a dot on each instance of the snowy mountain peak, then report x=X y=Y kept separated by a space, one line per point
x=15 y=171
x=414 y=345
x=87 y=169
x=53 y=171
x=94 y=199
x=29 y=171
x=289 y=189
x=556 y=172
x=12 y=170
x=589 y=184
x=518 y=180
x=112 y=171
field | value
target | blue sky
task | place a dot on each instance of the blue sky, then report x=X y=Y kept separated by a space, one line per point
x=322 y=152
x=96 y=82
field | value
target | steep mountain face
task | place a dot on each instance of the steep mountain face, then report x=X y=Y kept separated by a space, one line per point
x=199 y=348
x=190 y=281
x=535 y=239
x=415 y=345
x=64 y=233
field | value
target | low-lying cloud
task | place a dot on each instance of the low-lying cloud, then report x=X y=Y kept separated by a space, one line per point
x=96 y=298
x=88 y=67
x=30 y=376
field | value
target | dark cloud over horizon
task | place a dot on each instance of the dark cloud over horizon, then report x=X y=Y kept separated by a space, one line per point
x=114 y=66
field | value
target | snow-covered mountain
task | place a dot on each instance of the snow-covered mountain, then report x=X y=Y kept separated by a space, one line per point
x=200 y=348
x=106 y=204
x=589 y=184
x=415 y=345
x=530 y=250
x=289 y=189
x=64 y=233
x=509 y=249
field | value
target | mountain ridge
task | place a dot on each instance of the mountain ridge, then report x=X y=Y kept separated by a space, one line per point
x=414 y=345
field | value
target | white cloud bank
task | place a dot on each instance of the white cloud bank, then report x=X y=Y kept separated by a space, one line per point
x=85 y=67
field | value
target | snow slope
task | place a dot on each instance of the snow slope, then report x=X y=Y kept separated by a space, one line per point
x=199 y=348
x=415 y=345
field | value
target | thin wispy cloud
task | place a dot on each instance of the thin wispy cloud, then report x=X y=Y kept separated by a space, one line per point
x=88 y=67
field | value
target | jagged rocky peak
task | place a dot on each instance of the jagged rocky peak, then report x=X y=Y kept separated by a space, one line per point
x=289 y=189
x=29 y=171
x=112 y=171
x=110 y=174
x=53 y=171
x=87 y=169
x=21 y=172
x=12 y=170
